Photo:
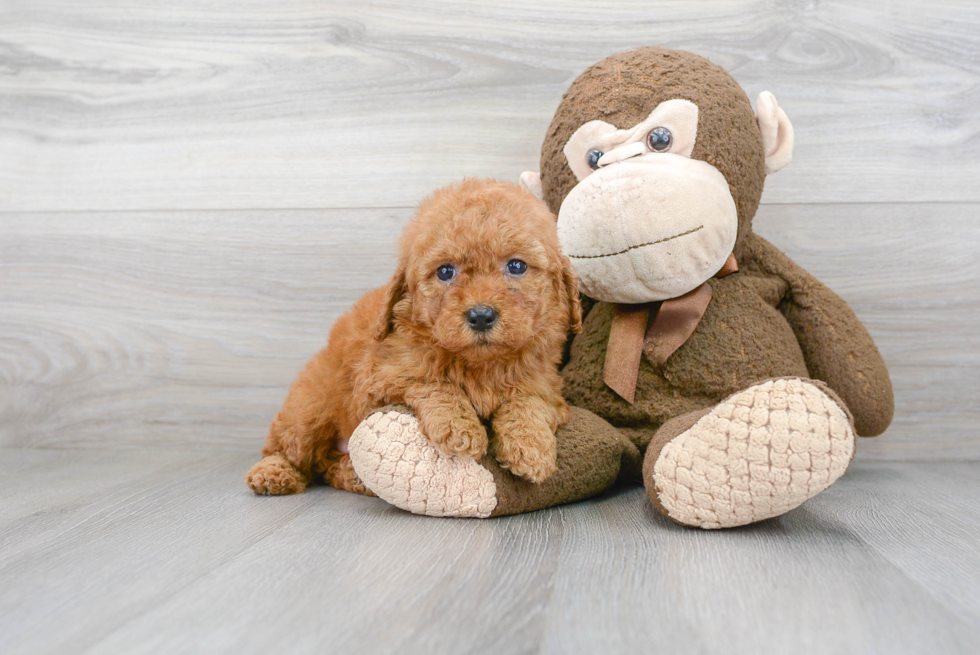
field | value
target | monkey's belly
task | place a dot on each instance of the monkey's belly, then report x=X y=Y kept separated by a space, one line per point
x=741 y=340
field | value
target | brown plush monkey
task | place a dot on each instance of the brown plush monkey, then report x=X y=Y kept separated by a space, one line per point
x=739 y=378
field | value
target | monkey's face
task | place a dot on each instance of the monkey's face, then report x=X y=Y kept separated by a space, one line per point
x=654 y=164
x=645 y=221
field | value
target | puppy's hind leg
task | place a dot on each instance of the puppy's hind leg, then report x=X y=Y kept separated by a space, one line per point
x=286 y=465
x=342 y=476
x=275 y=476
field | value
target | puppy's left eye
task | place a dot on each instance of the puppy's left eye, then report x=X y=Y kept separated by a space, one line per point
x=516 y=267
x=446 y=272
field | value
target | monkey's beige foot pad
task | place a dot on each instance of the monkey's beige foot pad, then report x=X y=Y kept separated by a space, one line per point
x=757 y=455
x=395 y=460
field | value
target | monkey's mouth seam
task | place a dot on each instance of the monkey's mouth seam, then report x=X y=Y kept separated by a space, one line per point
x=639 y=245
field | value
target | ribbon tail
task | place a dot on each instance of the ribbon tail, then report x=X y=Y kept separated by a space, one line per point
x=625 y=348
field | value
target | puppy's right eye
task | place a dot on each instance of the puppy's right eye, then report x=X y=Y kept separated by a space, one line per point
x=446 y=272
x=593 y=157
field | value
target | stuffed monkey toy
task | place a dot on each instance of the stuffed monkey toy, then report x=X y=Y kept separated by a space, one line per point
x=711 y=366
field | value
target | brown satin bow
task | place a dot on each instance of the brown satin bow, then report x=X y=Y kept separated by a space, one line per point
x=674 y=321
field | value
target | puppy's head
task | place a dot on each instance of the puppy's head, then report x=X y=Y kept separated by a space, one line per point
x=481 y=273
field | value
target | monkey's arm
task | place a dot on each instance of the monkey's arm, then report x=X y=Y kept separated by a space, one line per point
x=837 y=347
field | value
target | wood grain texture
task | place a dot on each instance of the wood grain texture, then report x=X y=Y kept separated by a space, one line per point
x=310 y=104
x=151 y=552
x=161 y=329
x=192 y=192
x=911 y=273
x=184 y=329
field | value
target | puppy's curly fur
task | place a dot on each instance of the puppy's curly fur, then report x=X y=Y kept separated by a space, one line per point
x=411 y=343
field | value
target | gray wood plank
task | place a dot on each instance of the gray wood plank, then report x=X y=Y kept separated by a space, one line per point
x=184 y=329
x=932 y=533
x=805 y=582
x=189 y=561
x=305 y=103
x=196 y=322
x=72 y=482
x=91 y=560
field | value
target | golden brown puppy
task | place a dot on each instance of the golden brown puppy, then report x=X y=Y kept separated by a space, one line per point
x=470 y=327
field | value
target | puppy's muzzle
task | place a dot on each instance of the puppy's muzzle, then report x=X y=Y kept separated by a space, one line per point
x=481 y=318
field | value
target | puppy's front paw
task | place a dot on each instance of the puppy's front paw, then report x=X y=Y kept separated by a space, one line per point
x=530 y=452
x=459 y=436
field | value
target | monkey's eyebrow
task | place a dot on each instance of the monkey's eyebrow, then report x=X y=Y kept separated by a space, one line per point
x=639 y=245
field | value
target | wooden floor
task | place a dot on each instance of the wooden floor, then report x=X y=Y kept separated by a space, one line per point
x=157 y=552
x=192 y=193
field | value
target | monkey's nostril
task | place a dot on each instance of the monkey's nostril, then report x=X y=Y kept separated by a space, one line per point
x=481 y=317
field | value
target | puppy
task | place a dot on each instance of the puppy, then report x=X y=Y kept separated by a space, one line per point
x=471 y=327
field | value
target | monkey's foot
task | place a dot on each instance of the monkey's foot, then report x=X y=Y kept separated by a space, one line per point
x=756 y=455
x=395 y=460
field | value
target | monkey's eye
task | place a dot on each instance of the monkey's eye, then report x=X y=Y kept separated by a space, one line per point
x=592 y=157
x=446 y=272
x=516 y=267
x=659 y=139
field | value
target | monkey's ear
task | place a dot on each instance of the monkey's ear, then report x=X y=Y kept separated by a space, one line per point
x=394 y=292
x=531 y=182
x=777 y=132
x=570 y=284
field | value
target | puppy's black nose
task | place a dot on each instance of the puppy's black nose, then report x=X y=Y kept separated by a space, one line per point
x=481 y=317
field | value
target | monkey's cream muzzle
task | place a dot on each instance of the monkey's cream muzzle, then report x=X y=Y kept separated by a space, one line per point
x=647 y=227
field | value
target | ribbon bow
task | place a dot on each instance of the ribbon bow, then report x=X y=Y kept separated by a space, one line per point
x=673 y=322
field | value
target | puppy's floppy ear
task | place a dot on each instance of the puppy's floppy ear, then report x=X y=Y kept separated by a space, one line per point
x=394 y=293
x=570 y=285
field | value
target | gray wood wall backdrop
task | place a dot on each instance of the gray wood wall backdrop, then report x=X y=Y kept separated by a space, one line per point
x=192 y=192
